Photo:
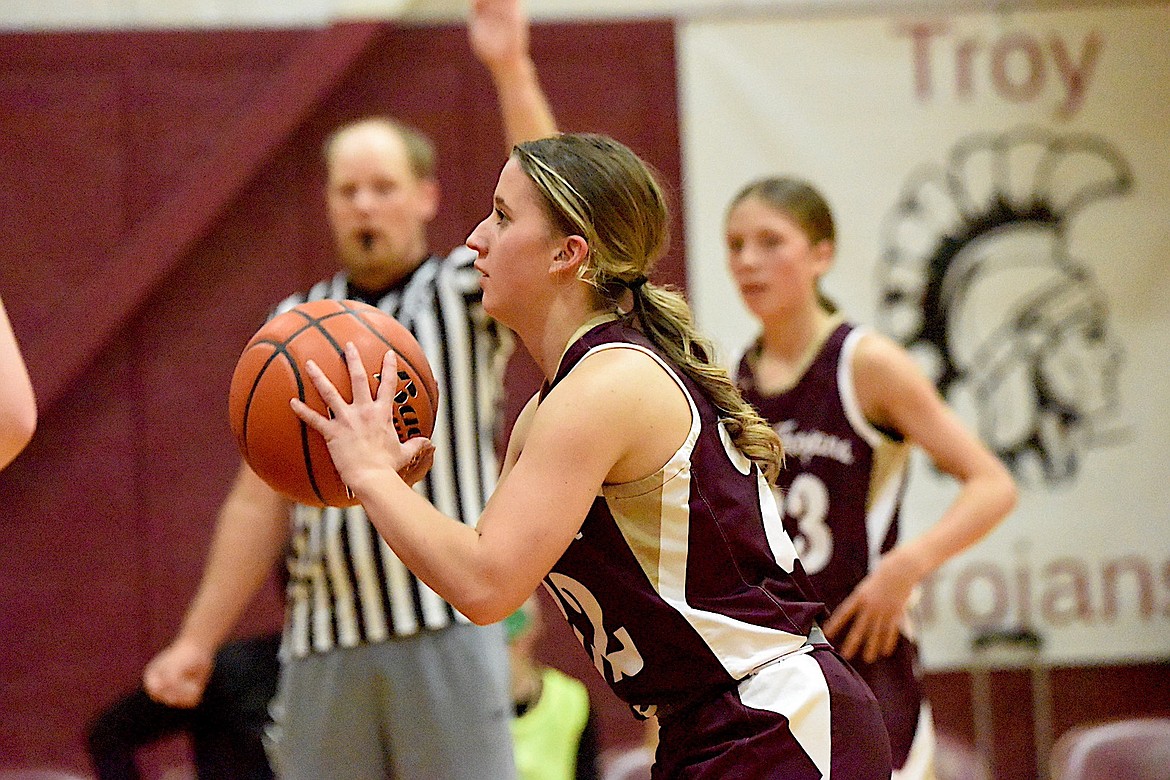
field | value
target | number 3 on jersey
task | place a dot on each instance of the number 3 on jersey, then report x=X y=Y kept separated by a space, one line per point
x=806 y=502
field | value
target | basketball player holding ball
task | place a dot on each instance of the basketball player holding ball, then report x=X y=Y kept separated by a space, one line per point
x=635 y=487
x=379 y=678
x=277 y=447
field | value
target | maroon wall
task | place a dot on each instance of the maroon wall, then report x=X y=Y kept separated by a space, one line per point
x=158 y=192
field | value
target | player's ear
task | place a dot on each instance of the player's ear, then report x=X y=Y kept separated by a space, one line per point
x=570 y=254
x=822 y=253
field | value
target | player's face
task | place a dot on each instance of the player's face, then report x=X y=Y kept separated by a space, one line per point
x=516 y=245
x=772 y=261
x=377 y=208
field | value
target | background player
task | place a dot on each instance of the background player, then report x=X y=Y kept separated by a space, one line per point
x=555 y=727
x=849 y=404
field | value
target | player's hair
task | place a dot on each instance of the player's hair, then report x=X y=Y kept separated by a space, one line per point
x=420 y=151
x=803 y=204
x=597 y=188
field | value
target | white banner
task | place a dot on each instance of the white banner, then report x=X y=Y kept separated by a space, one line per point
x=1001 y=183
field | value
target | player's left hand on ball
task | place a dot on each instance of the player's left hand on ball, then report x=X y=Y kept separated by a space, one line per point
x=360 y=434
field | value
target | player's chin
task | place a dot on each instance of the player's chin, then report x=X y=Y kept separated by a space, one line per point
x=753 y=297
x=364 y=241
x=492 y=303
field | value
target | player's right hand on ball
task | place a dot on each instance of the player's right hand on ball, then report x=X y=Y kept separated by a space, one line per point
x=178 y=675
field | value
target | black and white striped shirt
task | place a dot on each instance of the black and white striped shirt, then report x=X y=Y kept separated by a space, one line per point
x=346 y=586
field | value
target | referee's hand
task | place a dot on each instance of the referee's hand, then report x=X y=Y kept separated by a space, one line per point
x=178 y=675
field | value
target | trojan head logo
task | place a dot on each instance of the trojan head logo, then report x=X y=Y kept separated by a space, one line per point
x=978 y=281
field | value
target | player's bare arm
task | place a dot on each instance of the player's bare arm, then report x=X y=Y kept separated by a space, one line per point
x=895 y=394
x=616 y=417
x=498 y=32
x=519 y=435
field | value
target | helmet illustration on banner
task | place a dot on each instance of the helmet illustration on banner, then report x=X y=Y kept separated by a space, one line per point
x=978 y=281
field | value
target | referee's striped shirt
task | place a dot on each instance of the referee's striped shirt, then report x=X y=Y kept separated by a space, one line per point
x=346 y=587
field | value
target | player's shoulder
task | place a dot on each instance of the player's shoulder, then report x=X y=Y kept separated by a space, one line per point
x=876 y=351
x=886 y=374
x=621 y=375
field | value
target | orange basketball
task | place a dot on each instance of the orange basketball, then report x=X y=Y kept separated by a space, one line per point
x=289 y=455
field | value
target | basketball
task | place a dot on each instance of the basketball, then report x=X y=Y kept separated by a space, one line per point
x=283 y=451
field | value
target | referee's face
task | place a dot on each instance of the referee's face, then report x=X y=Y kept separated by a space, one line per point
x=378 y=208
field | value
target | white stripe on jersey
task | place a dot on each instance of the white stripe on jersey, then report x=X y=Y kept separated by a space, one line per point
x=296 y=635
x=339 y=580
x=888 y=475
x=460 y=384
x=398 y=582
x=434 y=609
x=363 y=547
x=741 y=647
x=849 y=402
x=779 y=542
x=321 y=612
x=880 y=512
x=796 y=687
x=441 y=480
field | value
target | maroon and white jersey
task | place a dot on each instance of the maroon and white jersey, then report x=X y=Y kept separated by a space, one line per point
x=841 y=487
x=840 y=493
x=683 y=582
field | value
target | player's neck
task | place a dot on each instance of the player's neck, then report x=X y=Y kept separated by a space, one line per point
x=788 y=339
x=787 y=350
x=561 y=326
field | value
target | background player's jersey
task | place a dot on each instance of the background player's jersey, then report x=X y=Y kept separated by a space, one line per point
x=841 y=487
x=840 y=493
x=684 y=581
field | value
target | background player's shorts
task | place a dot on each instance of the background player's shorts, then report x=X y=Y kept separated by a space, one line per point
x=899 y=692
